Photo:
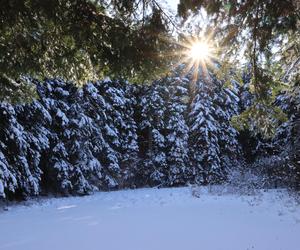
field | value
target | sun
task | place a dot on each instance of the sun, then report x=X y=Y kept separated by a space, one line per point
x=200 y=51
x=198 y=54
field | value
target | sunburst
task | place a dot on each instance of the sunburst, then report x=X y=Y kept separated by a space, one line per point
x=199 y=51
x=198 y=54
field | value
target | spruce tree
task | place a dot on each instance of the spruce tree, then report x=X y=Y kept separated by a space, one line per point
x=129 y=138
x=152 y=128
x=54 y=96
x=20 y=177
x=177 y=156
x=213 y=140
x=205 y=150
x=93 y=108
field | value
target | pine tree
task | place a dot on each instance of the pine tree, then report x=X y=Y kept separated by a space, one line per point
x=8 y=182
x=227 y=101
x=54 y=96
x=153 y=134
x=93 y=107
x=177 y=156
x=86 y=167
x=19 y=178
x=113 y=100
x=129 y=137
x=287 y=139
x=213 y=140
x=82 y=154
x=250 y=141
x=205 y=150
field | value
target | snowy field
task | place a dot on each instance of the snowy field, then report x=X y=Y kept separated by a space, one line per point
x=156 y=219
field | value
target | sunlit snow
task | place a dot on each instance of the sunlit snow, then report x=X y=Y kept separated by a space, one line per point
x=154 y=219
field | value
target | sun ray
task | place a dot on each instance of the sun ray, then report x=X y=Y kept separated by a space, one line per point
x=198 y=55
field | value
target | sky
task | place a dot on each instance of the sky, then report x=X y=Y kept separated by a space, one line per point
x=172 y=4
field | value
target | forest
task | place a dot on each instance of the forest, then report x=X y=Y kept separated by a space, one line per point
x=150 y=124
x=158 y=122
x=106 y=95
x=112 y=134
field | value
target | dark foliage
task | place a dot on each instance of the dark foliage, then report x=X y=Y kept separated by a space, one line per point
x=112 y=134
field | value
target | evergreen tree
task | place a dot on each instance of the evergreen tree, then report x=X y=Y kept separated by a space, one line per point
x=86 y=168
x=8 y=182
x=129 y=137
x=19 y=178
x=152 y=128
x=57 y=169
x=177 y=156
x=227 y=101
x=110 y=105
x=93 y=108
x=36 y=121
x=113 y=119
x=205 y=150
x=213 y=140
x=287 y=139
x=115 y=37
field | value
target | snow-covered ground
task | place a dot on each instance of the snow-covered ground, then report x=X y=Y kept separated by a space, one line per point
x=156 y=219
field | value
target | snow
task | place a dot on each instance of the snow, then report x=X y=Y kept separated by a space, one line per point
x=155 y=219
x=1 y=189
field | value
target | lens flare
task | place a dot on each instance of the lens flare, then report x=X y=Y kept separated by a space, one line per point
x=200 y=51
x=198 y=54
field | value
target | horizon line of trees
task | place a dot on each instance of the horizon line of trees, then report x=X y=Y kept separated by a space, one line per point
x=111 y=134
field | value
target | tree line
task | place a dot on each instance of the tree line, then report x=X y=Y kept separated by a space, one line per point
x=111 y=134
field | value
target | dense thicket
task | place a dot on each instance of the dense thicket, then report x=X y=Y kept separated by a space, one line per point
x=271 y=161
x=113 y=134
x=80 y=40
